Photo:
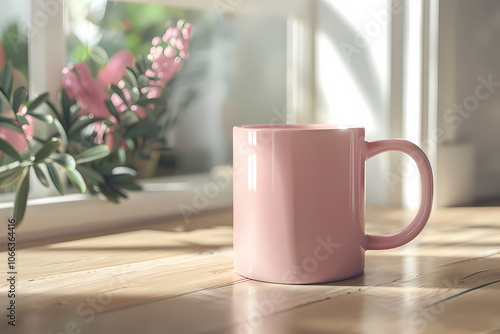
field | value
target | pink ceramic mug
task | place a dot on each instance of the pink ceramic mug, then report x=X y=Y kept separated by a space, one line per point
x=299 y=201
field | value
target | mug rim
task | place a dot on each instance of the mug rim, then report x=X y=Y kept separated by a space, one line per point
x=297 y=127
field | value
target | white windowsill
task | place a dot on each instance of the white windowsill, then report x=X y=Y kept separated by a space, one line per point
x=162 y=198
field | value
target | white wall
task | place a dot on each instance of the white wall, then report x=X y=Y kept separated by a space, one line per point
x=478 y=55
x=353 y=76
x=237 y=69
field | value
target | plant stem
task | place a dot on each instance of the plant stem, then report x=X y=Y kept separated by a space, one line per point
x=16 y=164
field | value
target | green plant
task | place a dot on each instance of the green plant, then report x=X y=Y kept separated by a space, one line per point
x=103 y=124
x=85 y=164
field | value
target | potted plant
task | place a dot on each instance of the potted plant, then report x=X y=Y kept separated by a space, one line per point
x=105 y=127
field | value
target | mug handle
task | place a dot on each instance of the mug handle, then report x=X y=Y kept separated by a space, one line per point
x=424 y=167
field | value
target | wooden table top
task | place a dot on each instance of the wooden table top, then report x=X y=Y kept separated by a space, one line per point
x=175 y=278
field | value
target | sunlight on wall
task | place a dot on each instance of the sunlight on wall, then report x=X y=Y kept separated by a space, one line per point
x=353 y=77
x=412 y=104
x=345 y=102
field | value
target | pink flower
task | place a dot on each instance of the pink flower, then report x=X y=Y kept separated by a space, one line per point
x=182 y=44
x=121 y=106
x=171 y=33
x=139 y=111
x=17 y=140
x=29 y=130
x=168 y=60
x=109 y=138
x=187 y=31
x=118 y=102
x=115 y=69
x=167 y=53
x=91 y=94
x=156 y=40
x=153 y=92
x=165 y=68
x=88 y=92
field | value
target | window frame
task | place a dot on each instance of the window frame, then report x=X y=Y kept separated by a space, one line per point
x=49 y=215
x=47 y=57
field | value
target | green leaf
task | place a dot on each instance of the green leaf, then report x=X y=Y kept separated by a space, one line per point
x=54 y=110
x=82 y=122
x=50 y=147
x=140 y=129
x=77 y=180
x=62 y=133
x=32 y=105
x=120 y=170
x=140 y=67
x=147 y=63
x=131 y=186
x=6 y=148
x=5 y=98
x=131 y=70
x=115 y=89
x=99 y=55
x=112 y=110
x=7 y=78
x=108 y=123
x=21 y=198
x=90 y=174
x=130 y=77
x=143 y=80
x=20 y=95
x=118 y=191
x=22 y=120
x=14 y=177
x=7 y=119
x=109 y=193
x=130 y=143
x=73 y=111
x=122 y=179
x=11 y=125
x=65 y=104
x=65 y=160
x=104 y=168
x=135 y=94
x=55 y=178
x=5 y=169
x=40 y=174
x=7 y=172
x=129 y=118
x=94 y=153
x=69 y=109
x=122 y=155
x=43 y=117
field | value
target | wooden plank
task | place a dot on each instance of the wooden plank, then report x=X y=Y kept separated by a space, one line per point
x=169 y=278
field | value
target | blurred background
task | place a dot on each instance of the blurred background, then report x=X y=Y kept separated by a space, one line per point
x=427 y=71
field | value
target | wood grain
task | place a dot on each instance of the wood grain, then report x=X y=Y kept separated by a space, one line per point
x=172 y=278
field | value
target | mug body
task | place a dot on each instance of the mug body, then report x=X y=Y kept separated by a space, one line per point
x=298 y=202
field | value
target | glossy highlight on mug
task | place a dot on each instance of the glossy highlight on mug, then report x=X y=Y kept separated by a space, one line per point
x=297 y=184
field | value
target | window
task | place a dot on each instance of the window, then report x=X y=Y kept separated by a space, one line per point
x=250 y=62
x=244 y=63
x=14 y=49
x=231 y=76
